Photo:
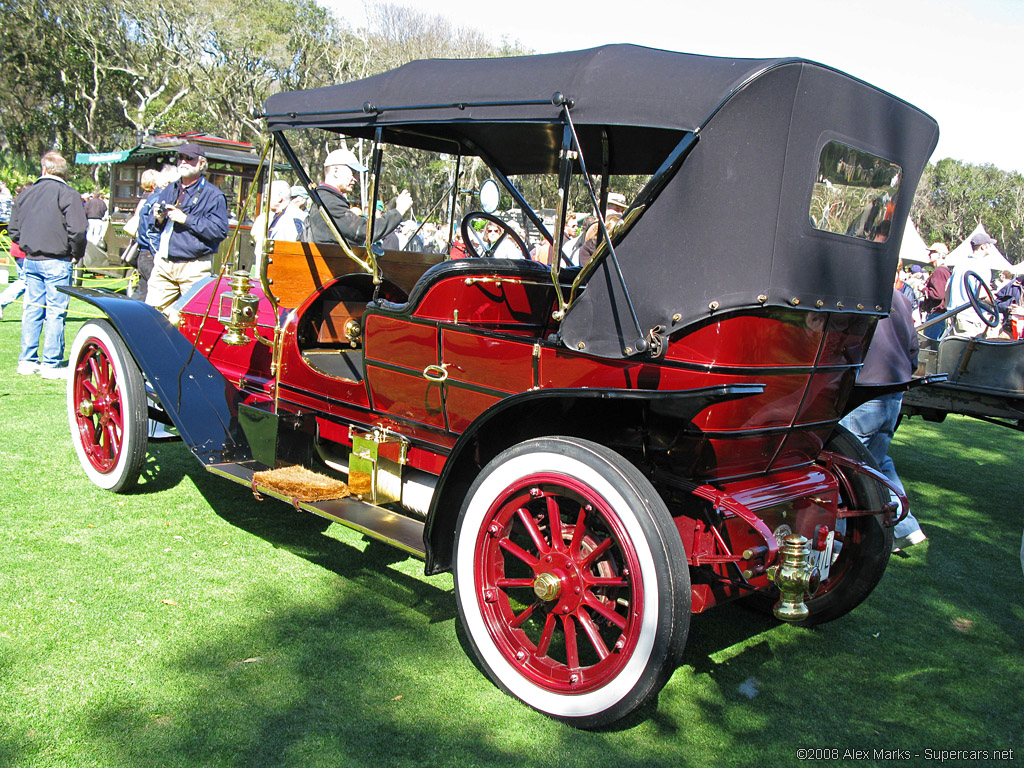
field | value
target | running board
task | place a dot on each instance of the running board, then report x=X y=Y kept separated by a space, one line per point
x=379 y=523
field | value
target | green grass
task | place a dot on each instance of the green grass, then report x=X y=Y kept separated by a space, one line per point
x=187 y=624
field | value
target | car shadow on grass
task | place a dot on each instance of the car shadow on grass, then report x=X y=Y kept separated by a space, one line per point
x=308 y=536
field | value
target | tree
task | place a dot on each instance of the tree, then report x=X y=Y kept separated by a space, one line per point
x=953 y=197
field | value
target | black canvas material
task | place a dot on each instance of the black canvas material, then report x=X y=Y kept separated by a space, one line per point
x=730 y=232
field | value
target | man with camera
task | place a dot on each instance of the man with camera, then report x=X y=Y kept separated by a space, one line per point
x=190 y=219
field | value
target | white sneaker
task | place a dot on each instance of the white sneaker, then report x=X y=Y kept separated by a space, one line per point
x=912 y=538
x=53 y=372
x=27 y=367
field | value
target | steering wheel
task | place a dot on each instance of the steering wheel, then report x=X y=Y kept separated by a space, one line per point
x=986 y=310
x=475 y=245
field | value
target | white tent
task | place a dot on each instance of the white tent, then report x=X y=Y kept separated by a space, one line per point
x=913 y=248
x=993 y=259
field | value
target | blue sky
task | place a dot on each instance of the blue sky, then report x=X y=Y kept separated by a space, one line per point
x=959 y=61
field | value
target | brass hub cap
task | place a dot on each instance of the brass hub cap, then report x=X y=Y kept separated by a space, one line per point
x=547 y=586
x=85 y=408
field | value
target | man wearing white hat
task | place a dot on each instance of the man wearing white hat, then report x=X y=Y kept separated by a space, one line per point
x=968 y=323
x=340 y=170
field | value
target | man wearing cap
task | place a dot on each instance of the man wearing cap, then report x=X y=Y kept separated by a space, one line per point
x=190 y=219
x=934 y=301
x=340 y=170
x=967 y=322
x=300 y=199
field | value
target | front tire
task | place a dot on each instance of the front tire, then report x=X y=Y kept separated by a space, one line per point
x=571 y=580
x=107 y=411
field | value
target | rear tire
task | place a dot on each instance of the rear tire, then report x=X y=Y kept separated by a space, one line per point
x=107 y=410
x=571 y=580
x=865 y=551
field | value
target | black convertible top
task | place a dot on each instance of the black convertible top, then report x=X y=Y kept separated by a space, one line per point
x=638 y=95
x=730 y=231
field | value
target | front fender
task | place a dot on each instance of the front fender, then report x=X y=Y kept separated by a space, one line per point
x=200 y=402
x=585 y=413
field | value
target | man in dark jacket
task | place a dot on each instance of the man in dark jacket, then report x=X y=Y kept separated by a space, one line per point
x=187 y=223
x=48 y=222
x=95 y=211
x=340 y=170
x=891 y=359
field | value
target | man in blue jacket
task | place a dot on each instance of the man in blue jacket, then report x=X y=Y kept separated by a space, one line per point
x=48 y=222
x=189 y=220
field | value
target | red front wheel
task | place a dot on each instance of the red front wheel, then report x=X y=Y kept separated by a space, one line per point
x=571 y=580
x=107 y=409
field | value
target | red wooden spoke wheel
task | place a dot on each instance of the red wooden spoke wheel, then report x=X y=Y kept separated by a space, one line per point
x=554 y=584
x=106 y=403
x=571 y=580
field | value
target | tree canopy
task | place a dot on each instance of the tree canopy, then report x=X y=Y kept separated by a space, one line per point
x=953 y=197
x=90 y=75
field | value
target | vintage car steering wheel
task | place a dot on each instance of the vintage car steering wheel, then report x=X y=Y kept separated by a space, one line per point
x=986 y=310
x=474 y=243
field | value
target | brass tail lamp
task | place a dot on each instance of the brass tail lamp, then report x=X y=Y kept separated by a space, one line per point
x=794 y=577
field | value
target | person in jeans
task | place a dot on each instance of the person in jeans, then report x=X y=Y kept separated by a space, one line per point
x=891 y=359
x=48 y=223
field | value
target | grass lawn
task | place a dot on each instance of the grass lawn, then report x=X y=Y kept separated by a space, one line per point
x=187 y=624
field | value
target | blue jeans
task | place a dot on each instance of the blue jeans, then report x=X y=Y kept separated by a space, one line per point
x=935 y=331
x=43 y=300
x=874 y=424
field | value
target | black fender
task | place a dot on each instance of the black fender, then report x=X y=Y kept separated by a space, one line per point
x=199 y=401
x=607 y=416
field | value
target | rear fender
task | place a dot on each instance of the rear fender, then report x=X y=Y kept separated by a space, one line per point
x=199 y=401
x=611 y=417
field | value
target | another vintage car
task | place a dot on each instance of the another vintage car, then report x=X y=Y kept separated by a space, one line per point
x=596 y=452
x=982 y=377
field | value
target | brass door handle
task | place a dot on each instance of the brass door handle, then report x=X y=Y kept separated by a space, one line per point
x=436 y=373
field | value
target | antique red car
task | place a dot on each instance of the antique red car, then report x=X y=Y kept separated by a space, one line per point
x=595 y=451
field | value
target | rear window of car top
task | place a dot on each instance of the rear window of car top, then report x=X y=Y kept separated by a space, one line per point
x=854 y=193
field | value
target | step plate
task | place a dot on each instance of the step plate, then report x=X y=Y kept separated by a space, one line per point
x=379 y=523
